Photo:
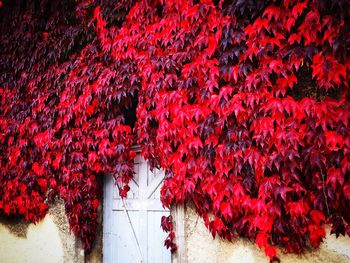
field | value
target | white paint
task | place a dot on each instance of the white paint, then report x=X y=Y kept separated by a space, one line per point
x=241 y=253
x=145 y=211
x=42 y=244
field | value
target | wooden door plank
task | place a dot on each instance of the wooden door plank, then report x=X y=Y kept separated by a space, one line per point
x=142 y=205
x=153 y=186
x=145 y=211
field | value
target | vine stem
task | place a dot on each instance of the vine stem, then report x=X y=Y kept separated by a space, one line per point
x=324 y=193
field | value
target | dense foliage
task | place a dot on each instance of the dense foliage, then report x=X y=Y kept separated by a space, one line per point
x=244 y=104
x=62 y=105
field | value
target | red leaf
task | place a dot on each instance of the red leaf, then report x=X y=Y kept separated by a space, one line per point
x=317 y=217
x=189 y=186
x=226 y=210
x=38 y=169
x=56 y=162
x=261 y=239
x=316 y=235
x=270 y=251
x=334 y=141
x=259 y=206
x=43 y=184
x=334 y=176
x=95 y=204
x=298 y=9
x=195 y=143
x=294 y=38
x=299 y=208
x=346 y=190
x=272 y=12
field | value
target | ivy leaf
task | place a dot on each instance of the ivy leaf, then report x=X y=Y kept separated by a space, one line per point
x=316 y=235
x=226 y=210
x=270 y=251
x=189 y=186
x=334 y=141
x=38 y=170
x=334 y=176
x=346 y=191
x=261 y=239
x=298 y=9
x=317 y=217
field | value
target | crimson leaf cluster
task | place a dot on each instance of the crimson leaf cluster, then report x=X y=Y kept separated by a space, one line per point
x=244 y=104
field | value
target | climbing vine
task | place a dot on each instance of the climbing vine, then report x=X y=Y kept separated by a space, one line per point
x=244 y=104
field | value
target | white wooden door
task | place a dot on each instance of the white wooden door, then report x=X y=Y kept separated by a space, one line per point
x=145 y=211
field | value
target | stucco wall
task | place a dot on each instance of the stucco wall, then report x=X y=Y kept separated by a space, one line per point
x=201 y=248
x=48 y=241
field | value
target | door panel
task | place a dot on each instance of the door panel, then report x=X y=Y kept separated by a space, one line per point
x=145 y=211
x=156 y=250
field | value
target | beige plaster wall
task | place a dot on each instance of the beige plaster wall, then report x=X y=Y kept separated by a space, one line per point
x=41 y=242
x=48 y=241
x=201 y=248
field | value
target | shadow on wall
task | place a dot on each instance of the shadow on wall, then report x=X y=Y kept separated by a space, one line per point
x=21 y=242
x=202 y=248
x=48 y=241
x=16 y=226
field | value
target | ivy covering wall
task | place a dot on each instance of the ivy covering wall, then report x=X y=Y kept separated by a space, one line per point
x=244 y=104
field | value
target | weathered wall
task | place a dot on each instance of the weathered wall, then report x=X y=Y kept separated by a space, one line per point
x=96 y=255
x=48 y=241
x=201 y=248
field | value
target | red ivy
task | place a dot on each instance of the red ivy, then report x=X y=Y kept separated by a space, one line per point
x=244 y=104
